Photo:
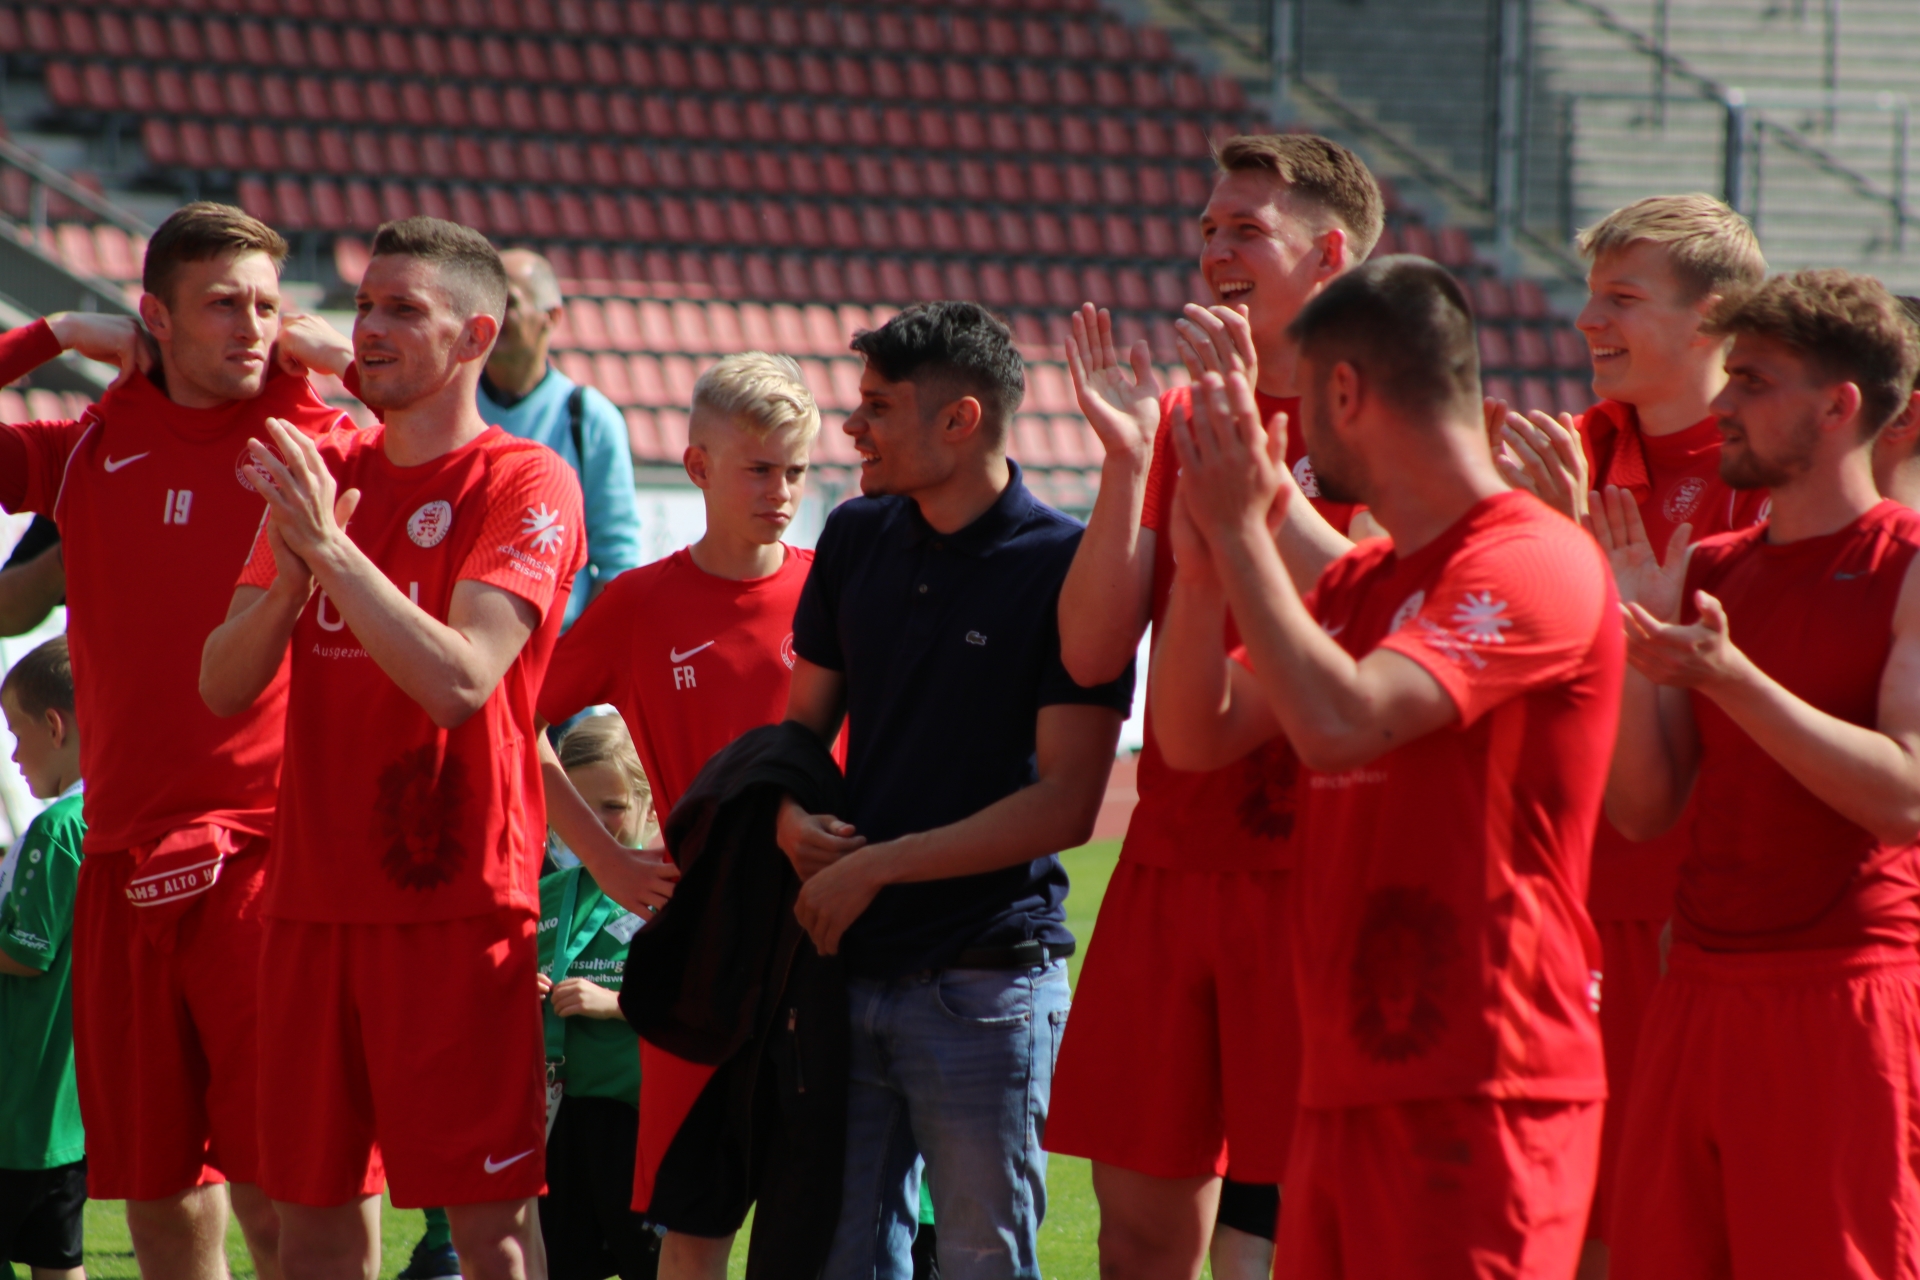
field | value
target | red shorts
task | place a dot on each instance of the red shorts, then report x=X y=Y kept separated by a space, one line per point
x=1772 y=1130
x=1630 y=966
x=1182 y=1054
x=1474 y=1188
x=164 y=1031
x=669 y=1086
x=410 y=1051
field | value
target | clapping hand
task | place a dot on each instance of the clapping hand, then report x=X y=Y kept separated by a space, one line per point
x=1121 y=404
x=1643 y=581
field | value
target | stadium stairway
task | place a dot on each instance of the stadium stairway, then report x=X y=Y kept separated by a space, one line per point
x=708 y=177
x=1826 y=87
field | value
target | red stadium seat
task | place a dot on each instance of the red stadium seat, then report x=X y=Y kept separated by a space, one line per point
x=1538 y=393
x=671 y=425
x=1495 y=351
x=642 y=437
x=470 y=209
x=335 y=155
x=114 y=252
x=679 y=373
x=649 y=387
x=350 y=258
x=1501 y=388
x=1032 y=442
x=1576 y=395
x=790 y=329
x=1530 y=348
x=690 y=327
x=1416 y=239
x=290 y=202
x=397 y=202
x=577 y=365
x=895 y=285
x=297 y=150
x=1073 y=441
x=1570 y=350
x=623 y=321
x=1490 y=298
x=329 y=207
x=1455 y=248
x=610 y=376
x=723 y=327
x=74 y=244
x=1048 y=389
x=588 y=326
x=196 y=147
x=1529 y=300
x=845 y=375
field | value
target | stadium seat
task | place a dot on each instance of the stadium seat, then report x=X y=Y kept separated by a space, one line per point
x=671 y=426
x=845 y=376
x=1529 y=300
x=1491 y=301
x=1530 y=348
x=610 y=377
x=1499 y=387
x=1032 y=442
x=642 y=437
x=1570 y=351
x=587 y=325
x=648 y=382
x=1495 y=351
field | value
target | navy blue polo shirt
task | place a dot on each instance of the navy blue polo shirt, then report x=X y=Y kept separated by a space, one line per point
x=950 y=644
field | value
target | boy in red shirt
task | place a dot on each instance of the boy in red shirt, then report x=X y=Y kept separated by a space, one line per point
x=1452 y=697
x=156 y=509
x=411 y=813
x=1659 y=266
x=1198 y=901
x=1774 y=683
x=695 y=650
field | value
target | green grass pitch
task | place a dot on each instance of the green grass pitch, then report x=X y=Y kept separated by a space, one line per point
x=1066 y=1241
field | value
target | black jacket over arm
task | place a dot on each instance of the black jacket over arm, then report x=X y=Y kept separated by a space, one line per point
x=725 y=975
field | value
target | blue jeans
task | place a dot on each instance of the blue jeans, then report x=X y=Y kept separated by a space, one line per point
x=953 y=1066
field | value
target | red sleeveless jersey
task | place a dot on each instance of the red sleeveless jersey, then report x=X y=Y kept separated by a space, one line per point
x=1773 y=868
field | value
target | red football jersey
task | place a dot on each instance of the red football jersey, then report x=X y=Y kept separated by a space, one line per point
x=1441 y=932
x=691 y=660
x=155 y=515
x=1673 y=479
x=1773 y=868
x=1238 y=818
x=384 y=816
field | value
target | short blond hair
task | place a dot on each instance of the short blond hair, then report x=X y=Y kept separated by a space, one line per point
x=762 y=392
x=1712 y=248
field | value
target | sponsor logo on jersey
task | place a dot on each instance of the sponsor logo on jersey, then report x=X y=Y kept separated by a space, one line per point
x=678 y=656
x=1684 y=499
x=494 y=1166
x=112 y=465
x=1304 y=477
x=543 y=522
x=1480 y=619
x=429 y=526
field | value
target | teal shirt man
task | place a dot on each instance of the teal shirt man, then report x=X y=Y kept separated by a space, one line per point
x=39 y=1103
x=524 y=395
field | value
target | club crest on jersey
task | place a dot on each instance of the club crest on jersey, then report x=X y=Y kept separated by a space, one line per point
x=786 y=650
x=543 y=522
x=1684 y=500
x=428 y=527
x=1481 y=619
x=245 y=460
x=1409 y=610
x=1304 y=477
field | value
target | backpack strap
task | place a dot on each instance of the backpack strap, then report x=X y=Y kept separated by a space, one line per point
x=576 y=408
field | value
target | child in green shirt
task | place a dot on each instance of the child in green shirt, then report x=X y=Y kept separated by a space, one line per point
x=593 y=1056
x=43 y=1167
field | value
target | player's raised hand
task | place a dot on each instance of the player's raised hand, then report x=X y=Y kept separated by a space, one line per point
x=114 y=340
x=1216 y=339
x=1544 y=456
x=1692 y=657
x=1642 y=579
x=813 y=841
x=1231 y=467
x=580 y=998
x=309 y=344
x=1122 y=404
x=303 y=499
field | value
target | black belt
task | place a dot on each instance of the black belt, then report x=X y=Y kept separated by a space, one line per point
x=1021 y=955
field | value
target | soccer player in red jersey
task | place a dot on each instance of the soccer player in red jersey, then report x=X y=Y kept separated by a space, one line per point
x=1776 y=680
x=151 y=492
x=695 y=650
x=1197 y=903
x=417 y=572
x=1896 y=450
x=1659 y=266
x=1452 y=696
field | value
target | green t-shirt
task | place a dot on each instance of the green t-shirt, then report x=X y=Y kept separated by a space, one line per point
x=39 y=1104
x=603 y=1054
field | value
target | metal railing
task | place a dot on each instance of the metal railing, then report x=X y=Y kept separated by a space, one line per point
x=1755 y=118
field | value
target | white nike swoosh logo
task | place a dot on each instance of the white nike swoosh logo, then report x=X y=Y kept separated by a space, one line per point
x=494 y=1167
x=682 y=657
x=114 y=464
